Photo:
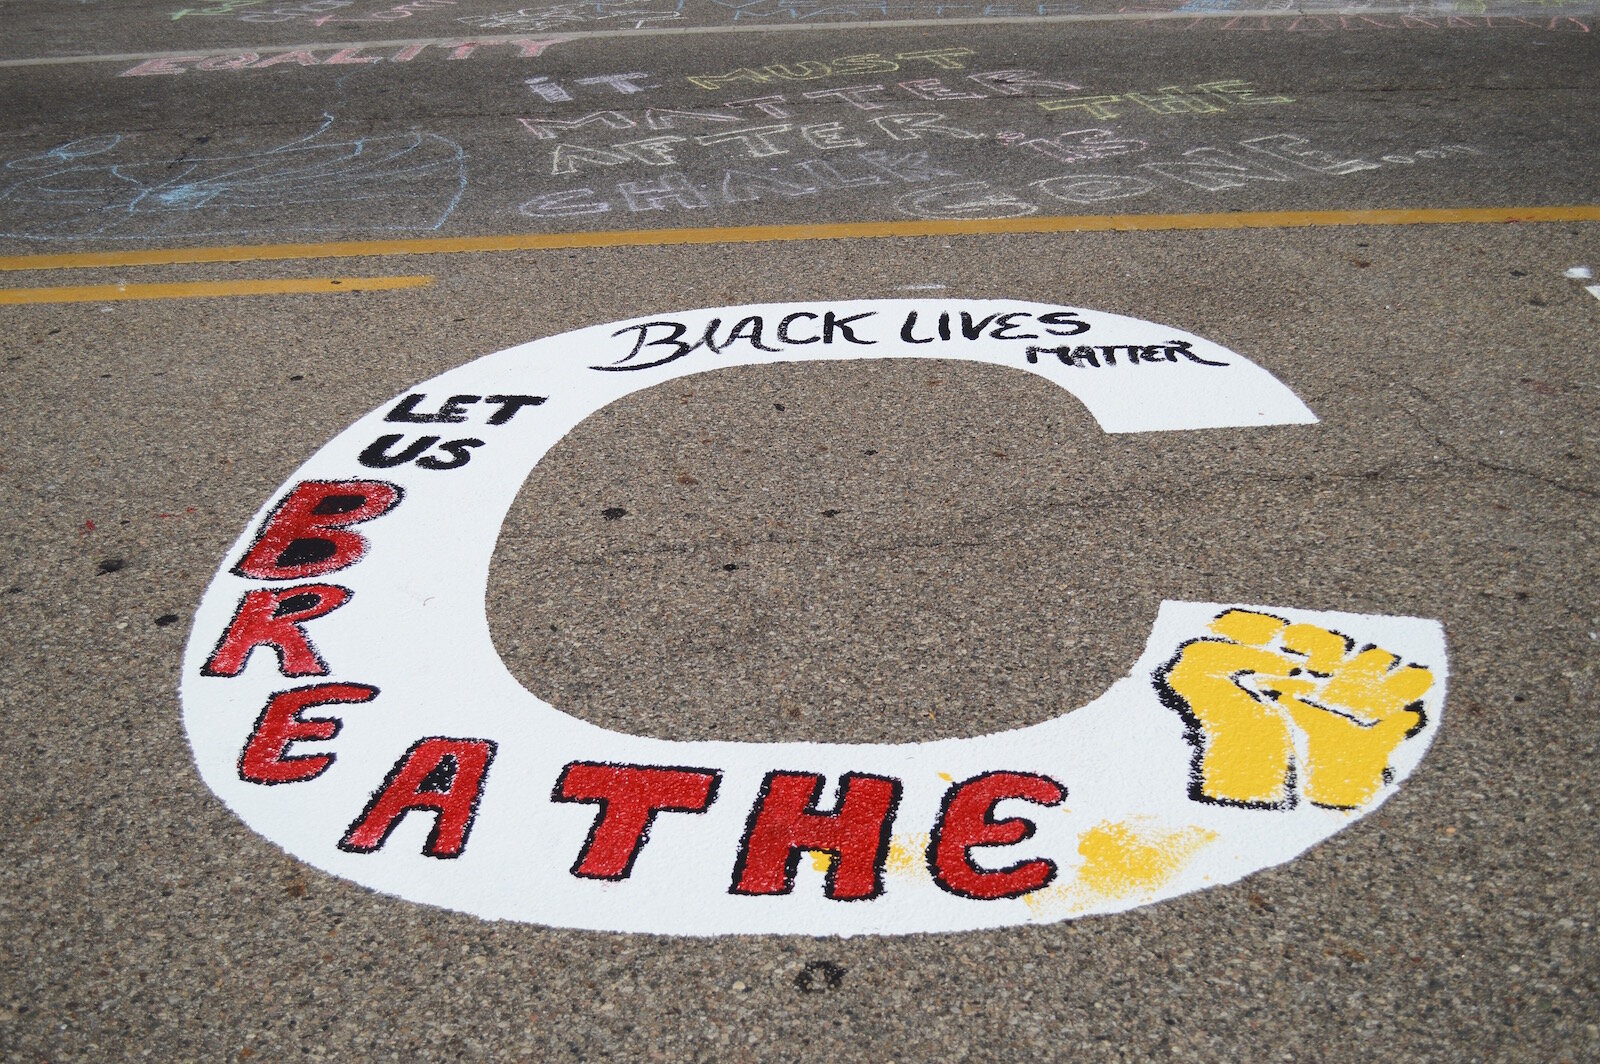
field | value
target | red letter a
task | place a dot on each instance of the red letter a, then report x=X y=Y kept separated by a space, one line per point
x=442 y=776
x=308 y=534
x=785 y=823
x=629 y=797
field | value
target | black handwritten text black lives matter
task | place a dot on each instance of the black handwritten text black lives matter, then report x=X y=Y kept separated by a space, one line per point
x=656 y=343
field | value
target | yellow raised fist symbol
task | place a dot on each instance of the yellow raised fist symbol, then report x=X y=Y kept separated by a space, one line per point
x=1274 y=706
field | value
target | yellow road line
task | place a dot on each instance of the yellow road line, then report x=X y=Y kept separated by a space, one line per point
x=1081 y=223
x=98 y=293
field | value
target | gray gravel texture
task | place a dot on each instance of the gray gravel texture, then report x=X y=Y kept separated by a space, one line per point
x=58 y=29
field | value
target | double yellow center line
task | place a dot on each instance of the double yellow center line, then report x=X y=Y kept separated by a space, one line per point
x=100 y=293
x=1083 y=223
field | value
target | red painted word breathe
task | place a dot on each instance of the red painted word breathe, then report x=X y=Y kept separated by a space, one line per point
x=967 y=822
x=629 y=797
x=273 y=618
x=312 y=532
x=437 y=775
x=786 y=822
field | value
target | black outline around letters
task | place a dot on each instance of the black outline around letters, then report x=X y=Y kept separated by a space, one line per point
x=283 y=755
x=272 y=515
x=1029 y=829
x=604 y=804
x=216 y=648
x=438 y=821
x=792 y=862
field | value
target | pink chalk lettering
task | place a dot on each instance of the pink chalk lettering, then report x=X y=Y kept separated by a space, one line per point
x=227 y=62
x=350 y=56
x=299 y=58
x=530 y=49
x=166 y=65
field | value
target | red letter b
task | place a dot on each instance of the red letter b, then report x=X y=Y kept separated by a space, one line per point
x=308 y=534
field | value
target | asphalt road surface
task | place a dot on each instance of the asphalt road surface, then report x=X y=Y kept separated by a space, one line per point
x=228 y=231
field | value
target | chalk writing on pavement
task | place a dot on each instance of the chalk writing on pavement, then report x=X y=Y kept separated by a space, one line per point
x=103 y=187
x=621 y=14
x=237 y=60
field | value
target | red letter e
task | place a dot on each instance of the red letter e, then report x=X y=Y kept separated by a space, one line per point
x=966 y=821
x=264 y=759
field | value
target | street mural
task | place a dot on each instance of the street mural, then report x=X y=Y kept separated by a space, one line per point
x=343 y=696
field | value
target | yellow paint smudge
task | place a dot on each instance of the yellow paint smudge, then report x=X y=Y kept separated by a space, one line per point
x=908 y=856
x=1122 y=859
x=1126 y=858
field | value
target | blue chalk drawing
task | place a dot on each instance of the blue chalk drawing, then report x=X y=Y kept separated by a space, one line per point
x=84 y=189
